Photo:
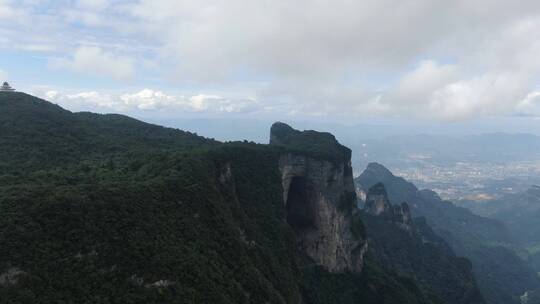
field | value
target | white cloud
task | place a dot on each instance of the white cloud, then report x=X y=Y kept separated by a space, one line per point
x=83 y=101
x=498 y=80
x=93 y=60
x=8 y=12
x=422 y=81
x=484 y=95
x=204 y=102
x=93 y=4
x=448 y=60
x=50 y=95
x=200 y=102
x=323 y=56
x=530 y=105
x=147 y=100
x=306 y=37
x=446 y=92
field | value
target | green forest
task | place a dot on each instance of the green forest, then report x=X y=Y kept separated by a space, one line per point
x=108 y=209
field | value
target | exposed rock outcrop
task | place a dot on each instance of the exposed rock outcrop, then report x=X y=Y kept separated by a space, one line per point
x=320 y=200
x=410 y=247
x=377 y=200
x=378 y=204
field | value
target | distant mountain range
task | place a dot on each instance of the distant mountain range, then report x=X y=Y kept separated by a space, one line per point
x=502 y=275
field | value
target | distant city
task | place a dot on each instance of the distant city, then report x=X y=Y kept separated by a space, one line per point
x=473 y=180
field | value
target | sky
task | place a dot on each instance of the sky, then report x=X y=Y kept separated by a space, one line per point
x=339 y=61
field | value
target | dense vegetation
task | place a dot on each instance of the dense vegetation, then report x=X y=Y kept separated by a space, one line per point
x=113 y=233
x=316 y=144
x=108 y=209
x=375 y=285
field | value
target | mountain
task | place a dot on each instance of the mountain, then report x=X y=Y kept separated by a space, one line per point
x=109 y=209
x=37 y=133
x=520 y=213
x=411 y=248
x=442 y=215
x=501 y=275
x=320 y=198
x=316 y=144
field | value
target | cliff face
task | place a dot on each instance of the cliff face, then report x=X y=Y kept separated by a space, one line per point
x=319 y=197
x=320 y=201
x=377 y=204
x=377 y=201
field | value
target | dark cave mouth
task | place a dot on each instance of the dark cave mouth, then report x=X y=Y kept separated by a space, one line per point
x=300 y=209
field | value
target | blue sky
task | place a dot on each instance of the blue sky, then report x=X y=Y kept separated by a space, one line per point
x=339 y=61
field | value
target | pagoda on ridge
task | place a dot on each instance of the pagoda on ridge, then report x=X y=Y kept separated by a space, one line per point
x=6 y=88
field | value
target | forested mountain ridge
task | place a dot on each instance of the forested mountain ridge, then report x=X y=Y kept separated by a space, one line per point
x=108 y=209
x=64 y=137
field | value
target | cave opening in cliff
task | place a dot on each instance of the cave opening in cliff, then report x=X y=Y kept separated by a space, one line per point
x=300 y=211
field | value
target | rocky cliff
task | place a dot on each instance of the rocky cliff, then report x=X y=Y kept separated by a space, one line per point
x=377 y=204
x=320 y=199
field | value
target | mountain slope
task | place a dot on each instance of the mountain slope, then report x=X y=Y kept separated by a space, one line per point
x=410 y=247
x=35 y=133
x=501 y=275
x=107 y=209
x=520 y=212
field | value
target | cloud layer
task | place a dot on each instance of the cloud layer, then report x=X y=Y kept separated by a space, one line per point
x=147 y=100
x=442 y=60
x=93 y=60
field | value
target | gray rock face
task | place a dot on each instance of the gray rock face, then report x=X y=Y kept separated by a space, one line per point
x=402 y=213
x=321 y=202
x=377 y=201
x=378 y=204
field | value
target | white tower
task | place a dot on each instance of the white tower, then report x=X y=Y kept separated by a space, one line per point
x=6 y=88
